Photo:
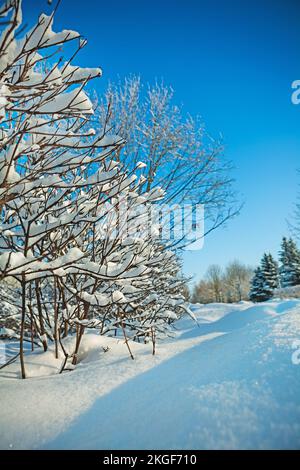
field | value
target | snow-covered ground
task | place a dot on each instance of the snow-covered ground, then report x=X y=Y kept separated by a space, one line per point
x=229 y=382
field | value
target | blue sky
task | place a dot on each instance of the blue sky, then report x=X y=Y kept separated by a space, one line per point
x=233 y=63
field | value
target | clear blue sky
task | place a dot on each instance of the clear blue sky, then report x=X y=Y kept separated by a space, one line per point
x=233 y=63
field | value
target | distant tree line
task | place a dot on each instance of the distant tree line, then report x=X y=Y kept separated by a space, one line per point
x=239 y=282
x=229 y=285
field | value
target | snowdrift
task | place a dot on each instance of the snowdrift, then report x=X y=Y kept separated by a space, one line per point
x=227 y=384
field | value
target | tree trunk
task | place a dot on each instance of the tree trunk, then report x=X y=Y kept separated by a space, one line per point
x=55 y=319
x=23 y=317
x=41 y=320
x=153 y=341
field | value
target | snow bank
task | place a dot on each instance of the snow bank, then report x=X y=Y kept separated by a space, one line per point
x=228 y=317
x=235 y=390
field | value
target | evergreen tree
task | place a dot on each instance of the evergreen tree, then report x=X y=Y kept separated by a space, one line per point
x=290 y=263
x=257 y=291
x=270 y=271
x=265 y=279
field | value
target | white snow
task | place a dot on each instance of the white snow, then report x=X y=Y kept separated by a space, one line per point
x=75 y=101
x=75 y=73
x=228 y=383
x=42 y=35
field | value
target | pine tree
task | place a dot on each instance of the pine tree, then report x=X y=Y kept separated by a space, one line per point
x=257 y=291
x=265 y=279
x=290 y=263
x=270 y=271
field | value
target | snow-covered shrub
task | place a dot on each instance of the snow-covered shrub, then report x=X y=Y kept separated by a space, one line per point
x=60 y=190
x=10 y=308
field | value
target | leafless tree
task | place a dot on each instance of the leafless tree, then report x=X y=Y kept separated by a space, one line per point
x=180 y=156
x=203 y=293
x=237 y=279
x=214 y=276
x=229 y=285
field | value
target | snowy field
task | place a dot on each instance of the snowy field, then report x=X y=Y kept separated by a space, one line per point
x=228 y=383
